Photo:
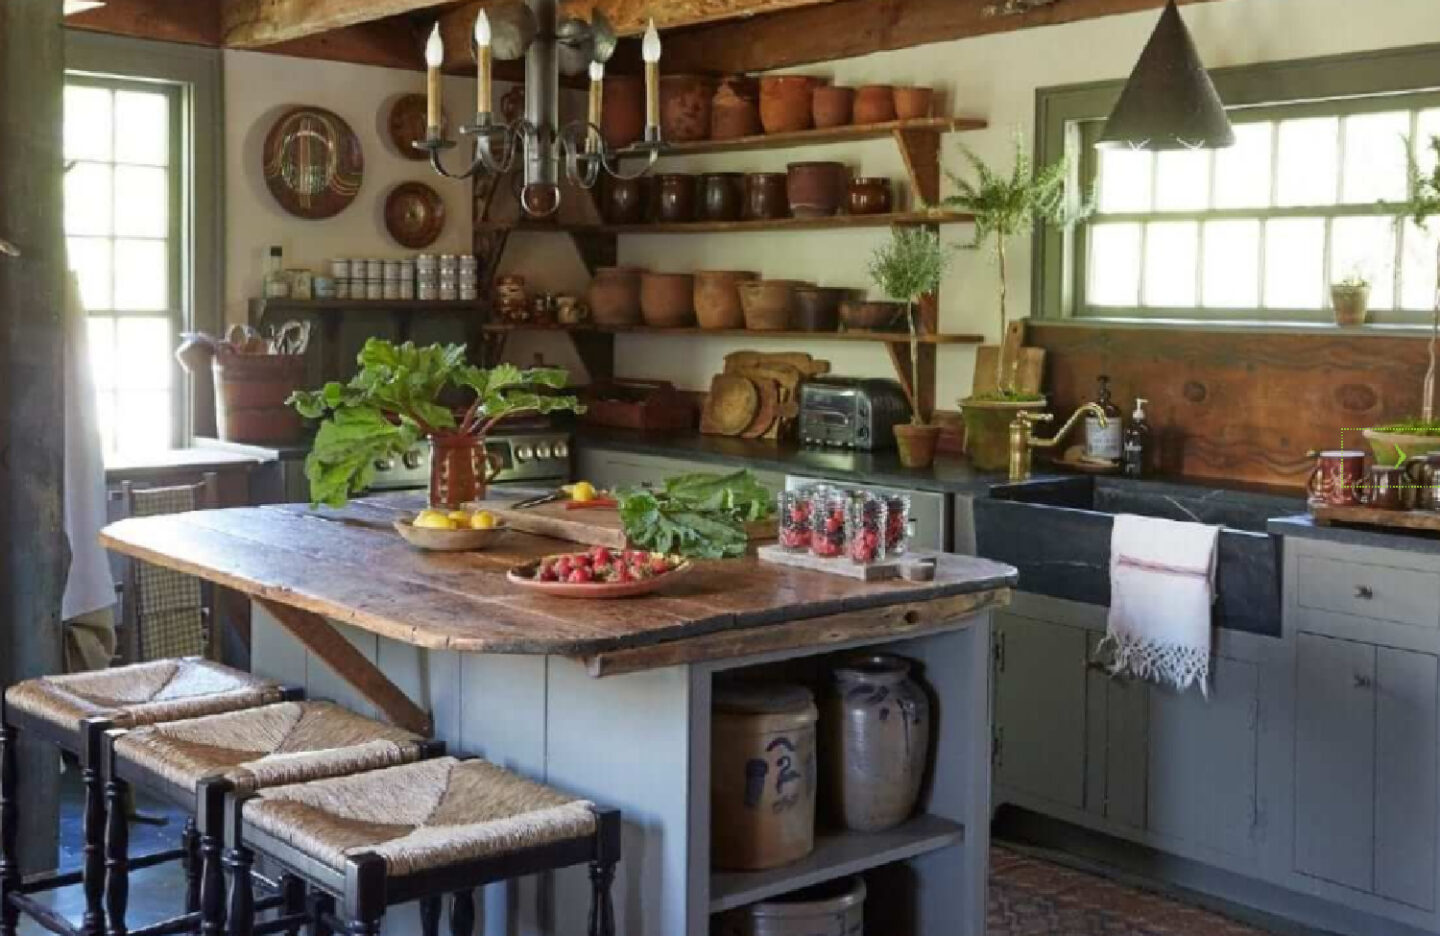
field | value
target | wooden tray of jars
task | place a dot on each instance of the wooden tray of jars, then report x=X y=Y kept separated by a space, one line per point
x=891 y=567
x=1424 y=520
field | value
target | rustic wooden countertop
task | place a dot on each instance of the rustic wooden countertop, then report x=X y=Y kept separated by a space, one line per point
x=350 y=565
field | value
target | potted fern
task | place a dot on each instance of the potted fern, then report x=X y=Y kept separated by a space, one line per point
x=1417 y=436
x=905 y=268
x=402 y=394
x=1004 y=208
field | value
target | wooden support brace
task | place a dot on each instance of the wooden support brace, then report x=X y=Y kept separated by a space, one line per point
x=921 y=151
x=321 y=638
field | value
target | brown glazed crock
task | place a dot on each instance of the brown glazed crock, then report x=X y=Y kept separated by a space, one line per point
x=832 y=105
x=869 y=195
x=622 y=115
x=717 y=298
x=766 y=196
x=874 y=104
x=720 y=196
x=785 y=102
x=667 y=300
x=677 y=197
x=614 y=296
x=816 y=189
x=685 y=107
x=913 y=102
x=735 y=109
x=624 y=201
x=817 y=308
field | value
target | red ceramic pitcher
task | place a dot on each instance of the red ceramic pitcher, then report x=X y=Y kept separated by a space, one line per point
x=460 y=470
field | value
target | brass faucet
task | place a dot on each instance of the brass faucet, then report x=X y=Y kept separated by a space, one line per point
x=1022 y=441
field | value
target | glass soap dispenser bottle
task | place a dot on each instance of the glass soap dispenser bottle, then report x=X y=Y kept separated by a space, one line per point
x=1104 y=442
x=1135 y=463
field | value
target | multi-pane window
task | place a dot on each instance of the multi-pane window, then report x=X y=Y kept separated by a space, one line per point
x=123 y=211
x=1305 y=198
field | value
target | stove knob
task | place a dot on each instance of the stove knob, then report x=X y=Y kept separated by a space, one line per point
x=384 y=464
x=561 y=450
x=524 y=453
x=413 y=459
x=542 y=450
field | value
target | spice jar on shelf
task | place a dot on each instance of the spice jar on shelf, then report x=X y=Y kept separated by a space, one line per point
x=865 y=528
x=795 y=512
x=897 y=524
x=827 y=523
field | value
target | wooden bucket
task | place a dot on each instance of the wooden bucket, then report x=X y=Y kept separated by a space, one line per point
x=250 y=394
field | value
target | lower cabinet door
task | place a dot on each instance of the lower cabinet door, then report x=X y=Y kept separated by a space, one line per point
x=1335 y=760
x=1405 y=780
x=1040 y=709
x=1203 y=779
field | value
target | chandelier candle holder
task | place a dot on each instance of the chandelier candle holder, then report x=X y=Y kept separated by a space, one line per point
x=549 y=45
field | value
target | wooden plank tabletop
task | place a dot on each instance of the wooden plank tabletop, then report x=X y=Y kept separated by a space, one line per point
x=351 y=566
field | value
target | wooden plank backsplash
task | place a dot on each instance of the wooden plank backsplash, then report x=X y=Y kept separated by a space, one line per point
x=1238 y=405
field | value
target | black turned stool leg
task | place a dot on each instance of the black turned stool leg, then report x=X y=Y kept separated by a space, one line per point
x=210 y=818
x=602 y=872
x=462 y=913
x=293 y=903
x=240 y=917
x=321 y=907
x=10 y=876
x=117 y=855
x=190 y=842
x=92 y=739
x=430 y=916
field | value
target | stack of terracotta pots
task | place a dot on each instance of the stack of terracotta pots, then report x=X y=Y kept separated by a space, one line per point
x=622 y=297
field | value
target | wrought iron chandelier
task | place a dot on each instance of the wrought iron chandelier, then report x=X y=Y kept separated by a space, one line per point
x=533 y=31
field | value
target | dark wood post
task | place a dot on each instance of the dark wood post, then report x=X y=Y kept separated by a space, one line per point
x=33 y=555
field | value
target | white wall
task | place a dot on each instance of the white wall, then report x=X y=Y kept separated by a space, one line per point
x=994 y=77
x=258 y=88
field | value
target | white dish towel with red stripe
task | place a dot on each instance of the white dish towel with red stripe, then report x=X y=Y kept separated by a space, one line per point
x=1162 y=587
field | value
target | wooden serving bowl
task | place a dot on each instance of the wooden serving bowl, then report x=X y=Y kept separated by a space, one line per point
x=449 y=540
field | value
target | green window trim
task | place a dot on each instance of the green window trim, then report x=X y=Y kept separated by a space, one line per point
x=1067 y=118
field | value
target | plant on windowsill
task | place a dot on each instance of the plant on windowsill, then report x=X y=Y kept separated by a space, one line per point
x=1409 y=437
x=908 y=267
x=1350 y=299
x=1007 y=207
x=401 y=395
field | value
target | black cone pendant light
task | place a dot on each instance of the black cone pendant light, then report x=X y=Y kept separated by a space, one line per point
x=1169 y=102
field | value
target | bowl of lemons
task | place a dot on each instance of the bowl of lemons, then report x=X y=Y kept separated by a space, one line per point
x=451 y=530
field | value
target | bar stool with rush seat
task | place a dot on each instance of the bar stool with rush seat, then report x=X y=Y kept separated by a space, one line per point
x=197 y=762
x=74 y=712
x=415 y=833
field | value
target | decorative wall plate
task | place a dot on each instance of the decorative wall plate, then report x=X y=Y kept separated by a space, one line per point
x=414 y=214
x=313 y=163
x=407 y=125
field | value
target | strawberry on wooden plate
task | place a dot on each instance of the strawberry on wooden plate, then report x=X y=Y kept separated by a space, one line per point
x=600 y=572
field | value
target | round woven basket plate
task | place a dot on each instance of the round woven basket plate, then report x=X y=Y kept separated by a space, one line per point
x=406 y=125
x=523 y=577
x=313 y=163
x=414 y=214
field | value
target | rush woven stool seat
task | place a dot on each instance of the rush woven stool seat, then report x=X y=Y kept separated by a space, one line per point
x=197 y=762
x=416 y=833
x=74 y=712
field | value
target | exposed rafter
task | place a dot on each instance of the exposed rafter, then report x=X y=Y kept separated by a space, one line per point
x=253 y=24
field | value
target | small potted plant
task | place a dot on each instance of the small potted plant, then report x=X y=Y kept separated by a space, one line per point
x=1004 y=208
x=907 y=267
x=1397 y=441
x=400 y=396
x=1350 y=298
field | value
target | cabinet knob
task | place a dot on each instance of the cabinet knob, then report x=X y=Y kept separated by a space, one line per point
x=1363 y=682
x=1364 y=591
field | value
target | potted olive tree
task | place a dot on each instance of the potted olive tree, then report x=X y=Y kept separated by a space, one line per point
x=1416 y=436
x=1006 y=207
x=402 y=394
x=907 y=267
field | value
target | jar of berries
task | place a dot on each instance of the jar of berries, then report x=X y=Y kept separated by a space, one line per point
x=795 y=508
x=828 y=512
x=897 y=524
x=866 y=530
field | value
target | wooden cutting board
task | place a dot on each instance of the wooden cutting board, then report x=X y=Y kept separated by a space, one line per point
x=595 y=526
x=1028 y=364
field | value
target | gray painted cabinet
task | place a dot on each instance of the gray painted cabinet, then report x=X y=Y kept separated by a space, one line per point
x=1040 y=708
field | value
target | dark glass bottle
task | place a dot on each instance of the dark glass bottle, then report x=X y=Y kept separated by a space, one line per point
x=1136 y=462
x=1104 y=441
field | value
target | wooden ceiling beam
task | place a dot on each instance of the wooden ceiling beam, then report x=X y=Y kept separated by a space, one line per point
x=186 y=21
x=850 y=28
x=256 y=24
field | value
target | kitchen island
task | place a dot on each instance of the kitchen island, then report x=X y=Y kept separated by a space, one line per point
x=611 y=699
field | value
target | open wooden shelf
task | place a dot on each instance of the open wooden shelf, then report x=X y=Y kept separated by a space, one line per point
x=834 y=222
x=845 y=134
x=873 y=336
x=836 y=855
x=259 y=306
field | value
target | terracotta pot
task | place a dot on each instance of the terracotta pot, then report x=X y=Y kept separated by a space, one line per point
x=916 y=444
x=676 y=197
x=624 y=201
x=766 y=196
x=832 y=105
x=735 y=109
x=614 y=296
x=1351 y=304
x=720 y=196
x=871 y=315
x=685 y=107
x=817 y=308
x=874 y=104
x=987 y=430
x=460 y=470
x=876 y=733
x=912 y=103
x=717 y=298
x=816 y=189
x=785 y=102
x=768 y=303
x=869 y=195
x=667 y=300
x=622 y=117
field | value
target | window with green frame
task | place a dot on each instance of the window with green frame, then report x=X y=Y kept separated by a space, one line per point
x=1257 y=232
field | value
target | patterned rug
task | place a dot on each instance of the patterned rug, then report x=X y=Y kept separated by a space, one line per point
x=1030 y=897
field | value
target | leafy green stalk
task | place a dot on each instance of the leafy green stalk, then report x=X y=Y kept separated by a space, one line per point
x=697 y=515
x=394 y=401
x=908 y=266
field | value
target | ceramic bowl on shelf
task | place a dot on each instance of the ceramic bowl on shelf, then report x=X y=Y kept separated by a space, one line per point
x=735 y=109
x=717 y=298
x=785 y=102
x=817 y=308
x=913 y=102
x=768 y=303
x=874 y=104
x=667 y=300
x=816 y=189
x=614 y=296
x=871 y=315
x=832 y=105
